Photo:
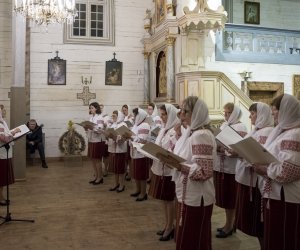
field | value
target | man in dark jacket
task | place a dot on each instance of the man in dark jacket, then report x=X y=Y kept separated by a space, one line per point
x=34 y=140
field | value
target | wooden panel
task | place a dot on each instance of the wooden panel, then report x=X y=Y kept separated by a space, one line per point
x=193 y=88
x=208 y=92
x=192 y=51
x=226 y=96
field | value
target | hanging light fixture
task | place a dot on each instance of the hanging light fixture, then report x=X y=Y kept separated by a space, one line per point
x=44 y=12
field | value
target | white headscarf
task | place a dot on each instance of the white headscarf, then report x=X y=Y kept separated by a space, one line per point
x=140 y=117
x=199 y=118
x=288 y=117
x=155 y=112
x=264 y=117
x=200 y=115
x=233 y=118
x=171 y=121
x=121 y=117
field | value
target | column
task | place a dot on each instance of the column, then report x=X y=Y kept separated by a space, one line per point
x=146 y=77
x=170 y=71
x=18 y=95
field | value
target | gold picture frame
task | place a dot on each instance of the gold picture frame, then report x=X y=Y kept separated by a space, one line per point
x=252 y=12
x=160 y=11
x=296 y=86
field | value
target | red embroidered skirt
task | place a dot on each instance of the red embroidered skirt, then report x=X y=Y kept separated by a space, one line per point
x=282 y=225
x=195 y=231
x=96 y=150
x=225 y=186
x=162 y=188
x=6 y=164
x=248 y=213
x=117 y=163
x=140 y=169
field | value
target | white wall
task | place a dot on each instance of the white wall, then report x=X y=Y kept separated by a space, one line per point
x=5 y=53
x=282 y=14
x=54 y=106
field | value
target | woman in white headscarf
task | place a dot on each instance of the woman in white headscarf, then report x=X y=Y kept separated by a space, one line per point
x=117 y=149
x=6 y=168
x=129 y=121
x=194 y=178
x=140 y=163
x=162 y=187
x=224 y=171
x=281 y=186
x=248 y=205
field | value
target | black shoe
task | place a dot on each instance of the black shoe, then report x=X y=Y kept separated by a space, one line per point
x=220 y=229
x=143 y=198
x=127 y=177
x=222 y=234
x=4 y=203
x=120 y=190
x=114 y=188
x=44 y=164
x=160 y=232
x=167 y=237
x=98 y=182
x=136 y=194
x=92 y=182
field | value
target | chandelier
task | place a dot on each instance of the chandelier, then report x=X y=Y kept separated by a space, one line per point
x=44 y=12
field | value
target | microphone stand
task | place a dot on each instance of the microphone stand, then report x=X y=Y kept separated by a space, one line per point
x=7 y=218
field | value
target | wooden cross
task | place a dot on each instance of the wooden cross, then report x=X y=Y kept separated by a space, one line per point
x=86 y=96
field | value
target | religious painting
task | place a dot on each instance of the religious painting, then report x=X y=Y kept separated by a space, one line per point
x=56 y=71
x=296 y=86
x=160 y=10
x=113 y=73
x=161 y=76
x=251 y=12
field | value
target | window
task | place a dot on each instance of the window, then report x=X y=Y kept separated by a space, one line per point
x=93 y=25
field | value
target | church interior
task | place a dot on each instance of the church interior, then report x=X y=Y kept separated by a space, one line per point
x=132 y=52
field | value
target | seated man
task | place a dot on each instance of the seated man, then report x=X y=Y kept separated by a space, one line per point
x=34 y=140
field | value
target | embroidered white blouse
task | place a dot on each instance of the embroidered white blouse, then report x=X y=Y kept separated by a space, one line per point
x=5 y=136
x=118 y=146
x=195 y=180
x=168 y=142
x=286 y=173
x=141 y=133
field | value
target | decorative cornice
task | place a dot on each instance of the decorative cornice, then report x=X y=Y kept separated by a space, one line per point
x=146 y=54
x=170 y=40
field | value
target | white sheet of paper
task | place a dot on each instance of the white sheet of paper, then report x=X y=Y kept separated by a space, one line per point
x=228 y=136
x=23 y=128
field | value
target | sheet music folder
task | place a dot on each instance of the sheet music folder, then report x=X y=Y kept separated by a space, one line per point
x=253 y=152
x=151 y=150
x=23 y=130
x=248 y=148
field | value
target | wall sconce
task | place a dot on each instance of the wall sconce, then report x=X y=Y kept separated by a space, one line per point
x=245 y=75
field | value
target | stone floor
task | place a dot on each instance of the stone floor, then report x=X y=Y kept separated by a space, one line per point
x=69 y=213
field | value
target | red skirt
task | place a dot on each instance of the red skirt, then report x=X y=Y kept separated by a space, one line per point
x=195 y=231
x=162 y=188
x=282 y=225
x=117 y=163
x=96 y=150
x=225 y=186
x=140 y=169
x=248 y=213
x=6 y=164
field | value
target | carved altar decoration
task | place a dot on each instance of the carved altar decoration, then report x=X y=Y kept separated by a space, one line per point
x=296 y=86
x=161 y=75
x=202 y=18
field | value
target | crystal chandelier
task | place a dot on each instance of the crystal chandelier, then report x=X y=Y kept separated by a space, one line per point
x=44 y=12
